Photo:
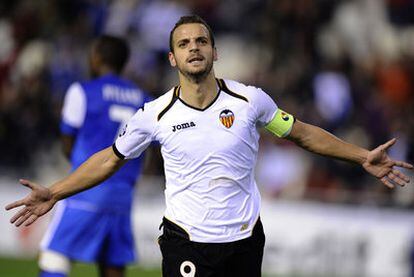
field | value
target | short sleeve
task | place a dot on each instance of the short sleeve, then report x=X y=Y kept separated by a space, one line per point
x=264 y=106
x=74 y=109
x=136 y=136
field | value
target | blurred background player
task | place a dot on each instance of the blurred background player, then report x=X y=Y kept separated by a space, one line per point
x=95 y=226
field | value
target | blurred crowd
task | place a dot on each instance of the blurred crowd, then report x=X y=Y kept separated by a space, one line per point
x=346 y=66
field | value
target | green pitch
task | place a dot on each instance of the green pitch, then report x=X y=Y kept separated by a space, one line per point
x=10 y=267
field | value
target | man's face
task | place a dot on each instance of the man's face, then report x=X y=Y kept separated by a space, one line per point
x=193 y=52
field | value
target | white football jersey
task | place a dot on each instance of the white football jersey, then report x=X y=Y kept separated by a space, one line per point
x=209 y=158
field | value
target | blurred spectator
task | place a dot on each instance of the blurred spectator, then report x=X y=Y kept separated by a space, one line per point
x=282 y=169
x=395 y=83
x=332 y=98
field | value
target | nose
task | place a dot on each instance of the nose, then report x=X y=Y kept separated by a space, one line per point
x=193 y=46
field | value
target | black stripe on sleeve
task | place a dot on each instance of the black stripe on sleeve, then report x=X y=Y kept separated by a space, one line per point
x=224 y=88
x=173 y=99
x=116 y=151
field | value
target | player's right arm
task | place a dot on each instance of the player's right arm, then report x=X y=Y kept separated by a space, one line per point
x=96 y=169
x=93 y=171
x=99 y=167
x=73 y=116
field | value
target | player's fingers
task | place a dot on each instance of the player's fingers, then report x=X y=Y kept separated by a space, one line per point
x=388 y=144
x=401 y=175
x=18 y=215
x=23 y=219
x=27 y=183
x=403 y=164
x=396 y=179
x=15 y=204
x=386 y=182
x=31 y=219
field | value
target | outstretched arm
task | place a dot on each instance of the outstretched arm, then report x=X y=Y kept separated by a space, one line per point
x=375 y=162
x=96 y=169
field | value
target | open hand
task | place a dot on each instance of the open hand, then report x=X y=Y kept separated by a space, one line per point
x=36 y=204
x=380 y=165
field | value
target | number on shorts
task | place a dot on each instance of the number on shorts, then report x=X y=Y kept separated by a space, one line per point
x=184 y=268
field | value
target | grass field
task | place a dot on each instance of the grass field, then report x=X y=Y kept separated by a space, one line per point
x=10 y=267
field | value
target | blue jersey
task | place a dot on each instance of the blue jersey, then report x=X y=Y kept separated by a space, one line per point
x=95 y=112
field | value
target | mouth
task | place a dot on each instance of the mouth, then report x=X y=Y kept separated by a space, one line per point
x=195 y=59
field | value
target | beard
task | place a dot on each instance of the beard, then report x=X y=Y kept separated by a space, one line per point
x=198 y=76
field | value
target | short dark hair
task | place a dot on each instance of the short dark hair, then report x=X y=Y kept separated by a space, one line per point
x=114 y=51
x=188 y=19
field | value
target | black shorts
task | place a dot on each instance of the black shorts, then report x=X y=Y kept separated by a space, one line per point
x=182 y=257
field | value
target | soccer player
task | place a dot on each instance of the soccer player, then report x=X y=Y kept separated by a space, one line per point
x=95 y=225
x=208 y=131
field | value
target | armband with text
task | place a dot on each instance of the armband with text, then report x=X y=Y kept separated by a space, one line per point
x=281 y=124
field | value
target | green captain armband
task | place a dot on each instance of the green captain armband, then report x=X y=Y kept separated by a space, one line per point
x=281 y=124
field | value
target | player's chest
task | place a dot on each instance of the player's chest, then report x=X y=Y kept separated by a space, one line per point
x=220 y=127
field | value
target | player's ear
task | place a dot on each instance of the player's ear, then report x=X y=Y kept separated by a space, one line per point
x=215 y=55
x=94 y=58
x=94 y=63
x=172 y=59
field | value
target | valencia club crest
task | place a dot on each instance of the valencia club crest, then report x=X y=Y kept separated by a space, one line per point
x=227 y=118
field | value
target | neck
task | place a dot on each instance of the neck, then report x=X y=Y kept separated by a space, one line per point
x=198 y=94
x=105 y=70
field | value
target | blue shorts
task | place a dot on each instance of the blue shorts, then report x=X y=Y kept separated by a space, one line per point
x=90 y=236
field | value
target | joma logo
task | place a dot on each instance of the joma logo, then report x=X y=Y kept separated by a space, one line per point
x=183 y=126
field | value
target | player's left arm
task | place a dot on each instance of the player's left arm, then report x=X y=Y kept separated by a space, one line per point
x=376 y=162
x=314 y=139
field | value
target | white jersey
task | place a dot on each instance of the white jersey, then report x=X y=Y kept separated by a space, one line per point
x=209 y=158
